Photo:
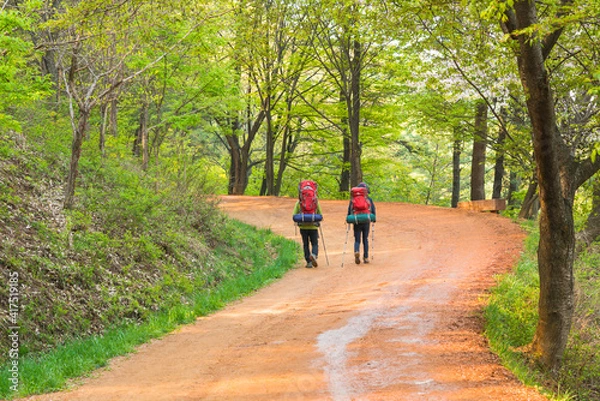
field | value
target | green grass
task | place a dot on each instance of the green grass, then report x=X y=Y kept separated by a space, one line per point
x=52 y=371
x=511 y=319
x=581 y=366
x=511 y=314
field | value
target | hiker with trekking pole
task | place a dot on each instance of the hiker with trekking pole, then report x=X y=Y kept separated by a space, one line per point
x=308 y=216
x=361 y=213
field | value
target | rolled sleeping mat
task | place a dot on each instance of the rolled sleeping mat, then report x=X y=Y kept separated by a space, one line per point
x=307 y=218
x=360 y=218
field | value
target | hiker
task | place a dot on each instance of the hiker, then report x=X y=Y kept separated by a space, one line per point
x=307 y=214
x=361 y=205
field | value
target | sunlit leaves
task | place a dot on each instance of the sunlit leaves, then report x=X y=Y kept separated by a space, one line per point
x=20 y=83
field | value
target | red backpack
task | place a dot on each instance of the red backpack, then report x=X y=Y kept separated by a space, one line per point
x=307 y=194
x=360 y=202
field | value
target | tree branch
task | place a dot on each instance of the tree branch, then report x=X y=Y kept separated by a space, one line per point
x=550 y=41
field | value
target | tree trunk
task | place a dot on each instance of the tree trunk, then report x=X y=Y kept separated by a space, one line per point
x=240 y=154
x=354 y=106
x=78 y=135
x=528 y=208
x=345 y=175
x=237 y=184
x=513 y=186
x=283 y=158
x=456 y=152
x=346 y=151
x=557 y=236
x=144 y=136
x=499 y=166
x=270 y=153
x=103 y=126
x=479 y=148
x=140 y=143
x=48 y=62
x=592 y=226
x=113 y=125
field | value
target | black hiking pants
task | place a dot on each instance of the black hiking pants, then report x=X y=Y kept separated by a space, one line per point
x=310 y=238
x=361 y=234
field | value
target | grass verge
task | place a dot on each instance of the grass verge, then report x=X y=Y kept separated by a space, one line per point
x=511 y=318
x=271 y=256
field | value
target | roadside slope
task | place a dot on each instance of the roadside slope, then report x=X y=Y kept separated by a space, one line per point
x=405 y=327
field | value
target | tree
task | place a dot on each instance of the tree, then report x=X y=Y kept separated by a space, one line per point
x=559 y=174
x=275 y=61
x=346 y=43
x=479 y=150
x=97 y=41
x=456 y=152
x=20 y=83
x=464 y=64
x=499 y=165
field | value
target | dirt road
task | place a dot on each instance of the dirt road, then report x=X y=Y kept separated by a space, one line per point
x=405 y=327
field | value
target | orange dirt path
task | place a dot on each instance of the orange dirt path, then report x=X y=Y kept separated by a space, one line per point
x=404 y=327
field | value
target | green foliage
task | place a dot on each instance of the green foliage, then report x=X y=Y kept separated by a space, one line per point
x=20 y=83
x=139 y=237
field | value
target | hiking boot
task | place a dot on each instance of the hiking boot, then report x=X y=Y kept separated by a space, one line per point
x=357 y=258
x=366 y=260
x=309 y=265
x=313 y=259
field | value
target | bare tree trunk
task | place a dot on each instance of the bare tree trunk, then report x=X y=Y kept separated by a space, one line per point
x=270 y=152
x=103 y=126
x=144 y=136
x=240 y=154
x=528 y=208
x=479 y=148
x=113 y=125
x=78 y=135
x=236 y=184
x=456 y=152
x=346 y=153
x=499 y=166
x=345 y=175
x=356 y=175
x=140 y=143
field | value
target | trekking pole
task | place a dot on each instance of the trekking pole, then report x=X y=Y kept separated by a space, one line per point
x=324 y=247
x=345 y=243
x=373 y=241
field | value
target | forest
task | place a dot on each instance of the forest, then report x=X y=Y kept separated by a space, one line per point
x=115 y=114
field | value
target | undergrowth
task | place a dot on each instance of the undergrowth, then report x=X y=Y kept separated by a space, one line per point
x=511 y=318
x=139 y=254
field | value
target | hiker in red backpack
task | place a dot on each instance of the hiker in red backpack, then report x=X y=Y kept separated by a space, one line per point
x=361 y=205
x=307 y=214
